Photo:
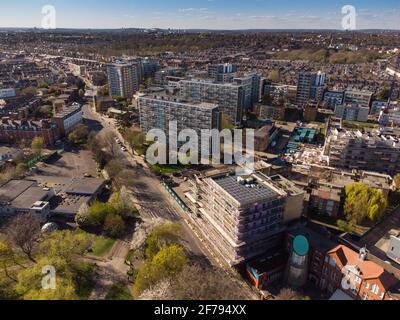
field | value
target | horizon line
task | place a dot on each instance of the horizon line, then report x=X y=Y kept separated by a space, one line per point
x=198 y=29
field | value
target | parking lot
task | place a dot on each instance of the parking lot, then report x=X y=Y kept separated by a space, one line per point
x=59 y=170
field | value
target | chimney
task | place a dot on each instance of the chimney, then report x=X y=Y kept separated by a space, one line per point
x=363 y=254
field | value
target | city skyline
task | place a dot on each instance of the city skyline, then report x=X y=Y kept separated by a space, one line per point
x=201 y=14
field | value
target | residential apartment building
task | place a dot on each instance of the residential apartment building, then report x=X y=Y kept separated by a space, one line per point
x=7 y=93
x=333 y=98
x=68 y=118
x=124 y=79
x=264 y=136
x=326 y=199
x=156 y=112
x=272 y=112
x=12 y=131
x=352 y=112
x=229 y=97
x=244 y=217
x=373 y=151
x=311 y=86
x=224 y=72
x=251 y=84
x=377 y=106
x=358 y=97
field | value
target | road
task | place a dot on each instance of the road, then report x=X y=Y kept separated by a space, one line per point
x=153 y=200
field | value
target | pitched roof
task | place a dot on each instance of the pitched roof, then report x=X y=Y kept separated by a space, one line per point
x=368 y=269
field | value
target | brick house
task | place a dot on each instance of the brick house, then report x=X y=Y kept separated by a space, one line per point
x=355 y=275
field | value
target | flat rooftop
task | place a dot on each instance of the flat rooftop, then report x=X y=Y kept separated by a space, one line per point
x=13 y=188
x=85 y=186
x=68 y=110
x=29 y=197
x=67 y=204
x=256 y=191
x=181 y=102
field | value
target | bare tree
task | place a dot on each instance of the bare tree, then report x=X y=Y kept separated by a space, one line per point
x=161 y=291
x=205 y=284
x=23 y=231
x=288 y=294
x=110 y=145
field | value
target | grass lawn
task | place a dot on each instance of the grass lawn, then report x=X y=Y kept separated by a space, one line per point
x=167 y=168
x=118 y=292
x=360 y=124
x=85 y=281
x=101 y=246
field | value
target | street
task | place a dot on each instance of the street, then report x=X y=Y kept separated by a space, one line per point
x=147 y=191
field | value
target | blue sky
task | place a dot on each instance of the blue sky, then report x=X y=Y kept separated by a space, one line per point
x=211 y=14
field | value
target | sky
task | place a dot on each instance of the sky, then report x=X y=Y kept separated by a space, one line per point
x=201 y=14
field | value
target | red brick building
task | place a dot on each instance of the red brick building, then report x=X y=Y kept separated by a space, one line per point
x=355 y=275
x=12 y=132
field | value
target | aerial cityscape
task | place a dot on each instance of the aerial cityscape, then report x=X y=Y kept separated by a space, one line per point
x=200 y=150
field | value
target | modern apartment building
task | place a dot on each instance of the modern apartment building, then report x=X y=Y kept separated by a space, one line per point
x=373 y=151
x=68 y=118
x=333 y=98
x=363 y=98
x=156 y=112
x=229 y=97
x=352 y=112
x=223 y=72
x=124 y=78
x=244 y=217
x=311 y=86
x=252 y=86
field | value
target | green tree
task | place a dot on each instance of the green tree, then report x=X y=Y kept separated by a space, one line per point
x=114 y=225
x=396 y=181
x=99 y=211
x=345 y=226
x=161 y=237
x=363 y=203
x=79 y=135
x=37 y=146
x=167 y=263
x=30 y=285
x=65 y=245
x=21 y=168
x=383 y=94
x=274 y=76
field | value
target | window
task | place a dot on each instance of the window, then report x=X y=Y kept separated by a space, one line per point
x=325 y=270
x=357 y=279
x=334 y=276
x=332 y=262
x=375 y=288
x=366 y=285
